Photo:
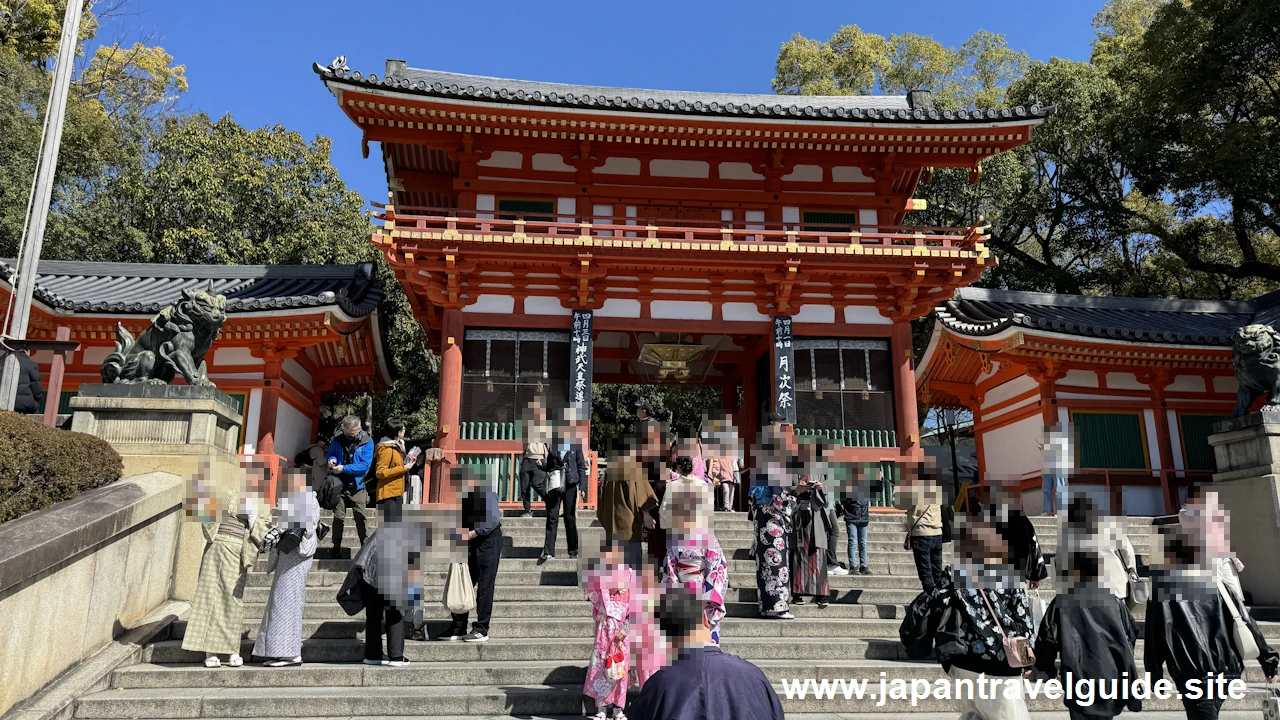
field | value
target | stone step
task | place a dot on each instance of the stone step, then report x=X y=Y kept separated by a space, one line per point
x=562 y=699
x=516 y=672
x=950 y=715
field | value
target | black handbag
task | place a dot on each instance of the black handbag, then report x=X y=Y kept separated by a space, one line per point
x=290 y=539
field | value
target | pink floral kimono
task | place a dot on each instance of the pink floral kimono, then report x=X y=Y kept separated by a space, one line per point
x=696 y=562
x=648 y=645
x=609 y=590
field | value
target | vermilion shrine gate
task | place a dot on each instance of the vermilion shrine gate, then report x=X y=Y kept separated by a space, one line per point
x=680 y=225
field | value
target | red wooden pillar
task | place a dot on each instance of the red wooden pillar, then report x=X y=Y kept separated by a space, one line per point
x=267 y=410
x=904 y=395
x=447 y=430
x=1158 y=381
x=53 y=398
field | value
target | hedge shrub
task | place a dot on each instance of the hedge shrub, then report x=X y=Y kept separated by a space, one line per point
x=40 y=465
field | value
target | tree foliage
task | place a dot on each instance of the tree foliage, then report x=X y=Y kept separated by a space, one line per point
x=139 y=181
x=1155 y=177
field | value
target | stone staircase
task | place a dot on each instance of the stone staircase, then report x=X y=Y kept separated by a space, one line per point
x=540 y=639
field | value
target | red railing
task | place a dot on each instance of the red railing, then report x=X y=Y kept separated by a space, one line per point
x=1116 y=479
x=423 y=219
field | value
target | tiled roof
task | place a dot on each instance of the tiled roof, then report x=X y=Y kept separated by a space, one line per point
x=129 y=288
x=839 y=108
x=981 y=312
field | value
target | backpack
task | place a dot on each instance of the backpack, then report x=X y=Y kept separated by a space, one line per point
x=329 y=492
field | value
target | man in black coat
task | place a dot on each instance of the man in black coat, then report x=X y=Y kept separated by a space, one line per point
x=30 y=396
x=576 y=471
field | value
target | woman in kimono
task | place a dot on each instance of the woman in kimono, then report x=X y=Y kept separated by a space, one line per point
x=694 y=558
x=774 y=507
x=609 y=586
x=234 y=529
x=280 y=634
x=809 y=544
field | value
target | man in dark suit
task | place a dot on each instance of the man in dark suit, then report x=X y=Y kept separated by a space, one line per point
x=576 y=470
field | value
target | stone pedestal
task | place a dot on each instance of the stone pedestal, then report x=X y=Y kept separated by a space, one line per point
x=159 y=427
x=1247 y=453
x=166 y=428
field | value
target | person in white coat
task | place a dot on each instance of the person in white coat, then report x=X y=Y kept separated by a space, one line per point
x=1086 y=531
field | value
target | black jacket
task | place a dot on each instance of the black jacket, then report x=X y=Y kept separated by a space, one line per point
x=1094 y=634
x=1188 y=630
x=30 y=391
x=1018 y=531
x=363 y=568
x=855 y=510
x=576 y=468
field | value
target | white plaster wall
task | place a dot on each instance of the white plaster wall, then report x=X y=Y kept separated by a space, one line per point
x=1010 y=408
x=538 y=305
x=502 y=304
x=737 y=171
x=1153 y=446
x=791 y=215
x=252 y=409
x=741 y=312
x=680 y=310
x=1124 y=381
x=1080 y=378
x=293 y=430
x=1011 y=451
x=1010 y=389
x=755 y=219
x=805 y=173
x=846 y=173
x=1226 y=384
x=550 y=162
x=619 y=166
x=235 y=356
x=297 y=372
x=1175 y=437
x=97 y=355
x=503 y=159
x=869 y=219
x=816 y=314
x=865 y=315
x=680 y=168
x=1187 y=383
x=566 y=207
x=619 y=308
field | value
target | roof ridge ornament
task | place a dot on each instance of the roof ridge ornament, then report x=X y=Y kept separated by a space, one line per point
x=339 y=64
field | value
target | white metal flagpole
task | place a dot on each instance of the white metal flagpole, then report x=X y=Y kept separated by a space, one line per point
x=42 y=197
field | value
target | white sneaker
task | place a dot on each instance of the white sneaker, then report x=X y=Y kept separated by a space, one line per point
x=786 y=616
x=398 y=663
x=235 y=661
x=836 y=570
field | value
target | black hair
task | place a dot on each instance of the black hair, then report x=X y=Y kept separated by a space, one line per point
x=391 y=427
x=1088 y=565
x=684 y=465
x=1081 y=512
x=1182 y=550
x=679 y=613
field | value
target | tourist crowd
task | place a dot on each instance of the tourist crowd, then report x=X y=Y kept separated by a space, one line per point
x=659 y=583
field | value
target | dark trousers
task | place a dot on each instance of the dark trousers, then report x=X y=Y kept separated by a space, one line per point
x=1202 y=709
x=831 y=539
x=381 y=616
x=532 y=479
x=555 y=499
x=483 y=554
x=928 y=556
x=355 y=504
x=391 y=509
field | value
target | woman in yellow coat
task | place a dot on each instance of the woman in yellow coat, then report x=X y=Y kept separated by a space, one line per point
x=389 y=470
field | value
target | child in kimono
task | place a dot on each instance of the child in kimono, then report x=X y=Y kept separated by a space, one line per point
x=609 y=586
x=694 y=558
x=648 y=644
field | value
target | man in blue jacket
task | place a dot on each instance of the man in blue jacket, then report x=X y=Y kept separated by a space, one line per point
x=349 y=457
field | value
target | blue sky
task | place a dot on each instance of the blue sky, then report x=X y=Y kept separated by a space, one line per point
x=253 y=59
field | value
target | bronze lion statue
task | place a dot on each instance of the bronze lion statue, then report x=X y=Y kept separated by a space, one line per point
x=1255 y=354
x=176 y=342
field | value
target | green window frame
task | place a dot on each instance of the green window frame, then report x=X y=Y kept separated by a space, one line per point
x=1194 y=431
x=1110 y=440
x=536 y=210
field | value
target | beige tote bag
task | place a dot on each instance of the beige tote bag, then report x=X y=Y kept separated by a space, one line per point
x=459 y=594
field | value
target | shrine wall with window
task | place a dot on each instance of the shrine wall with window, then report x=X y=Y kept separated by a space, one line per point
x=844 y=390
x=503 y=371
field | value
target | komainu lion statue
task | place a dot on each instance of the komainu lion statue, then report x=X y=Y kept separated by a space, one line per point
x=176 y=342
x=1255 y=354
